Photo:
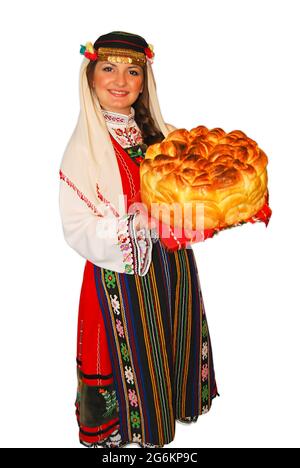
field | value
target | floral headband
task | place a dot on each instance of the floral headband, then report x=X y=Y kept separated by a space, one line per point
x=118 y=55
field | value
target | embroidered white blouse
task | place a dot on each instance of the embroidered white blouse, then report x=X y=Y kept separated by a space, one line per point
x=124 y=250
x=123 y=128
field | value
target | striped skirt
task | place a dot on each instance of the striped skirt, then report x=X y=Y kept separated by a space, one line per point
x=144 y=355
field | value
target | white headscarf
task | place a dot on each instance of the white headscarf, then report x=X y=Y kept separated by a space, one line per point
x=89 y=160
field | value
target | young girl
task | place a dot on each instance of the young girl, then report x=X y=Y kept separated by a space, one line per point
x=144 y=355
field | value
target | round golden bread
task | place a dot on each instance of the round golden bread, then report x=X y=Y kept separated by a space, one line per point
x=226 y=173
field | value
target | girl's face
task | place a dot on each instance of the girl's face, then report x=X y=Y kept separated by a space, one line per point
x=109 y=77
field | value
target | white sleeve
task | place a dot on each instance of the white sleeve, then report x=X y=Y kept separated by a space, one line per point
x=100 y=239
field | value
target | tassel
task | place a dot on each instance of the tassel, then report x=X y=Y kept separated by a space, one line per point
x=82 y=49
x=89 y=47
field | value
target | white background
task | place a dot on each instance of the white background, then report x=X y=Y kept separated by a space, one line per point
x=229 y=64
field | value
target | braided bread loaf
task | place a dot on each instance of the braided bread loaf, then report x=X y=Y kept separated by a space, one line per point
x=223 y=172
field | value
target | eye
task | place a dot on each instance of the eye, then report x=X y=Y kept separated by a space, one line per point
x=131 y=71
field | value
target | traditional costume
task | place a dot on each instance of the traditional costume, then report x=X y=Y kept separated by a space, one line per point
x=144 y=355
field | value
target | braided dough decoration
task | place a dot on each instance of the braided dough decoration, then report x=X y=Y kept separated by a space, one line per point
x=226 y=172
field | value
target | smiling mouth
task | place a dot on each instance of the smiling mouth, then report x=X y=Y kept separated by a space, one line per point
x=118 y=93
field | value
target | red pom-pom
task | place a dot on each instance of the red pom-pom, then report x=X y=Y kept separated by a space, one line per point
x=90 y=56
x=148 y=52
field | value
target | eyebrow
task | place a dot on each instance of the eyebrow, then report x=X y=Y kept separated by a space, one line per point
x=114 y=65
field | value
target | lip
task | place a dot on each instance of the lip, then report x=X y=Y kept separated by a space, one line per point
x=111 y=91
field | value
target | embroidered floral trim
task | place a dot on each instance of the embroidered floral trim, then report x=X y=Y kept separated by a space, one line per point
x=111 y=403
x=136 y=246
x=116 y=117
x=130 y=136
x=204 y=404
x=126 y=366
x=125 y=244
x=79 y=193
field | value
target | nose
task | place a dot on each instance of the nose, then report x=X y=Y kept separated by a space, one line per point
x=121 y=79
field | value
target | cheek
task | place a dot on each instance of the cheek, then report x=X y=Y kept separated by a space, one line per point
x=136 y=84
x=101 y=81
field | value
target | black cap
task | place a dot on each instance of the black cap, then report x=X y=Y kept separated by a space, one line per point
x=121 y=40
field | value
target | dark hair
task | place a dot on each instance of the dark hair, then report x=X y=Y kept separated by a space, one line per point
x=150 y=133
